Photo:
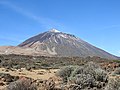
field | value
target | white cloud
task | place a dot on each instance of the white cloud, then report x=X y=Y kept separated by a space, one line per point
x=45 y=22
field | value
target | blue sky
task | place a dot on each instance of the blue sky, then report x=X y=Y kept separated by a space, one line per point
x=95 y=21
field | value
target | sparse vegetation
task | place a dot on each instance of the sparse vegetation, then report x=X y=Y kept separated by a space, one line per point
x=113 y=84
x=117 y=61
x=90 y=73
x=116 y=72
x=36 y=62
x=28 y=68
x=66 y=72
x=22 y=84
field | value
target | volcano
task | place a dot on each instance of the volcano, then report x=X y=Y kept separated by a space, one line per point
x=57 y=43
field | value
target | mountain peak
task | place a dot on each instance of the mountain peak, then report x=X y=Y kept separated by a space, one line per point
x=54 y=30
x=58 y=43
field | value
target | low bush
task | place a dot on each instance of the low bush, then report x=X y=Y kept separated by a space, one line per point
x=116 y=72
x=66 y=72
x=113 y=84
x=82 y=81
x=22 y=84
x=89 y=75
x=101 y=75
x=17 y=67
x=117 y=61
x=45 y=65
x=50 y=84
x=28 y=68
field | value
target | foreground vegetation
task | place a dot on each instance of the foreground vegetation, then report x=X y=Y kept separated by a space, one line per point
x=90 y=73
x=89 y=77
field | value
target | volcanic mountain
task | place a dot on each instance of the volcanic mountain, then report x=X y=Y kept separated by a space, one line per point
x=57 y=43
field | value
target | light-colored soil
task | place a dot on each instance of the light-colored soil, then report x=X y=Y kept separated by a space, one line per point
x=21 y=51
x=34 y=74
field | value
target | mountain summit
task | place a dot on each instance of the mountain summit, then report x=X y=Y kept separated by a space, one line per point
x=54 y=30
x=57 y=43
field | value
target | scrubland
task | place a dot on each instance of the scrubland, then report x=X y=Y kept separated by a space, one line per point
x=18 y=72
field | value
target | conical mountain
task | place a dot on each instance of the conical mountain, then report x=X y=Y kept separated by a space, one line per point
x=58 y=43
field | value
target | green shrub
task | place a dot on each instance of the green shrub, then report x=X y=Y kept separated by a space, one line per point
x=92 y=69
x=91 y=65
x=101 y=75
x=113 y=84
x=89 y=75
x=117 y=61
x=66 y=72
x=78 y=70
x=17 y=67
x=83 y=80
x=45 y=65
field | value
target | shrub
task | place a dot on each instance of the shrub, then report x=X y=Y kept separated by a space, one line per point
x=17 y=67
x=82 y=81
x=75 y=87
x=98 y=79
x=117 y=61
x=91 y=65
x=28 y=68
x=89 y=75
x=101 y=75
x=116 y=72
x=66 y=72
x=91 y=69
x=50 y=84
x=78 y=70
x=45 y=65
x=113 y=84
x=22 y=84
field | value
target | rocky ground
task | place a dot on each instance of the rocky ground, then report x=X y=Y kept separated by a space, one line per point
x=41 y=73
x=48 y=79
x=7 y=76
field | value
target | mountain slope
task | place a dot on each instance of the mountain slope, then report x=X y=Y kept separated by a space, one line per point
x=21 y=51
x=61 y=44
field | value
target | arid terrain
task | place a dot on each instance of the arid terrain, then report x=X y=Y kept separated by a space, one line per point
x=57 y=73
x=59 y=45
x=42 y=74
x=54 y=60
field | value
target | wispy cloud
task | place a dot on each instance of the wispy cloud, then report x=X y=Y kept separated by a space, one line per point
x=45 y=22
